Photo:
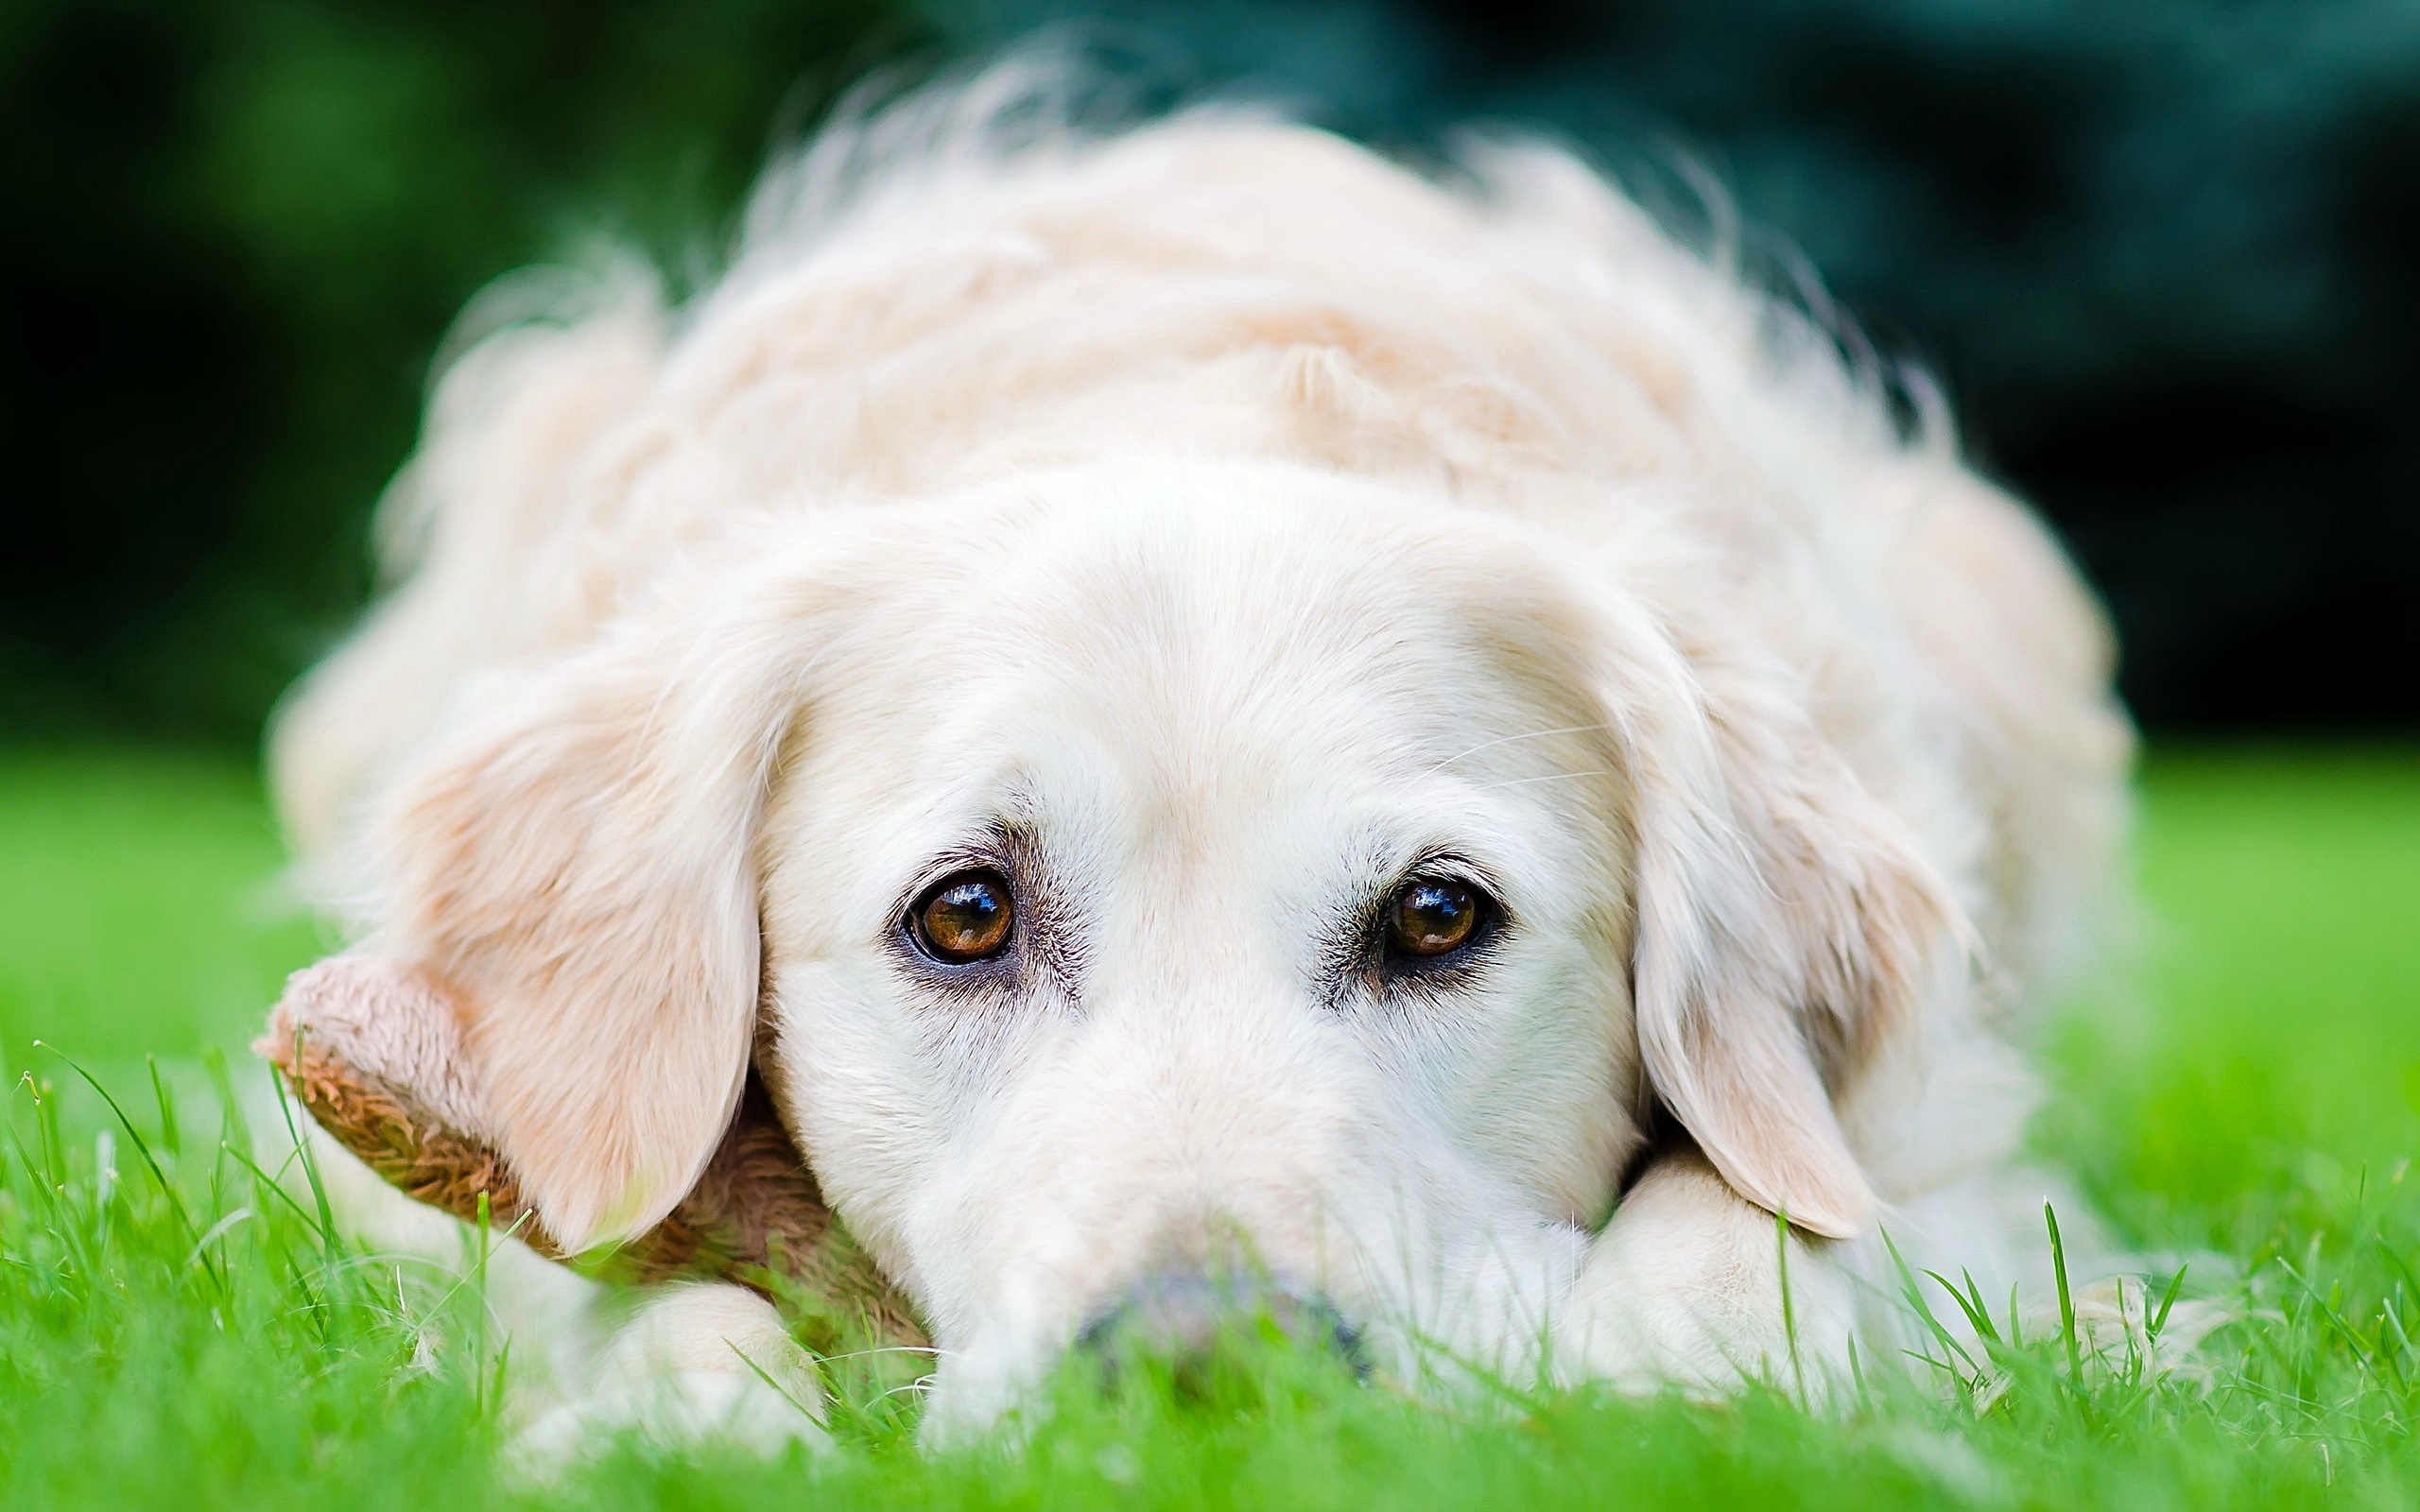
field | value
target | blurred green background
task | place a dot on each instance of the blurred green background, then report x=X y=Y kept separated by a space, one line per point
x=2165 y=253
x=237 y=232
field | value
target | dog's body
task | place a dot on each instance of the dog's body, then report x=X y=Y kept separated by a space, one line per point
x=1206 y=536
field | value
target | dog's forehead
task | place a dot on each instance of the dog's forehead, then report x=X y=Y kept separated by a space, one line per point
x=1249 y=633
x=1362 y=678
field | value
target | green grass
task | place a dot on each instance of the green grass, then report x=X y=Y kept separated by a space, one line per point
x=2255 y=1093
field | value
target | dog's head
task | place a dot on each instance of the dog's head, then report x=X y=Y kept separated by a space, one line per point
x=1151 y=874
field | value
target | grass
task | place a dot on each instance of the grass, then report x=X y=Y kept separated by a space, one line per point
x=2255 y=1093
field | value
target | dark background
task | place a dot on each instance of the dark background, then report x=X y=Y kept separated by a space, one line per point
x=2164 y=253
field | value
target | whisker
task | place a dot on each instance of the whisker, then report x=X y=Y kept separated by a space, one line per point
x=888 y=1349
x=1550 y=777
x=1507 y=740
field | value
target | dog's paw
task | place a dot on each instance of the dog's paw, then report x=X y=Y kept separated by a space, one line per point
x=1685 y=1288
x=697 y=1366
x=667 y=1413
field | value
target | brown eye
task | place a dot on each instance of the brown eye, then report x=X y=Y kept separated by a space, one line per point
x=964 y=918
x=1432 y=918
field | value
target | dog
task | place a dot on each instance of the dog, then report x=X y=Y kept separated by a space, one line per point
x=1222 y=724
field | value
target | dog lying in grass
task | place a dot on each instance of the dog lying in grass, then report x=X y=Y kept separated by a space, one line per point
x=1201 y=724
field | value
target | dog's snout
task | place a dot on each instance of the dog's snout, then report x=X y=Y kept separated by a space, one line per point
x=1184 y=1317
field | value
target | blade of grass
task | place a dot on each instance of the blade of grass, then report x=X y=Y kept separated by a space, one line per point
x=142 y=1146
x=1914 y=1295
x=2166 y=1300
x=762 y=1375
x=272 y=1184
x=478 y=1301
x=2067 y=1299
x=302 y=1148
x=1788 y=1309
x=216 y=1231
x=171 y=1137
x=1975 y=1318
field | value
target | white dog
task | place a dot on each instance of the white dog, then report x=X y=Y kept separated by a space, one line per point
x=1204 y=705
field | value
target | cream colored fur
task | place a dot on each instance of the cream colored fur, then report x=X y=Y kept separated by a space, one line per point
x=1204 y=525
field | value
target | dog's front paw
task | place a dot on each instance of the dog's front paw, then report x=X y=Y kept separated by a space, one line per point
x=705 y=1364
x=669 y=1412
x=1685 y=1288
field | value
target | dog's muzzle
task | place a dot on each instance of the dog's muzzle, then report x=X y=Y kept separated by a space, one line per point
x=1185 y=1317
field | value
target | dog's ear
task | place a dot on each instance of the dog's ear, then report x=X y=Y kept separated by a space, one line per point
x=373 y=1049
x=575 y=864
x=1785 y=928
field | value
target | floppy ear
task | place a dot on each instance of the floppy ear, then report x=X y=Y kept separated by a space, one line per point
x=577 y=868
x=1786 y=927
x=374 y=1051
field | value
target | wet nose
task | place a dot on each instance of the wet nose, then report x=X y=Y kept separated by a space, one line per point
x=1185 y=1317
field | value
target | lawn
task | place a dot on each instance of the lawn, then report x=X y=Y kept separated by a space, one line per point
x=2250 y=1090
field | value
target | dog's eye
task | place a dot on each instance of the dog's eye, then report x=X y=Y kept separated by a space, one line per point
x=1432 y=916
x=963 y=917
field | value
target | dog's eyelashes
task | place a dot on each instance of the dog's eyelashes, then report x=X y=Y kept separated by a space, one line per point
x=1434 y=916
x=964 y=918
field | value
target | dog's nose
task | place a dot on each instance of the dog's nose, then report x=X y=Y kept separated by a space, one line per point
x=1185 y=1317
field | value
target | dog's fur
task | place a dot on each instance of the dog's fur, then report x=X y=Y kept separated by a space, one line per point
x=1205 y=526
